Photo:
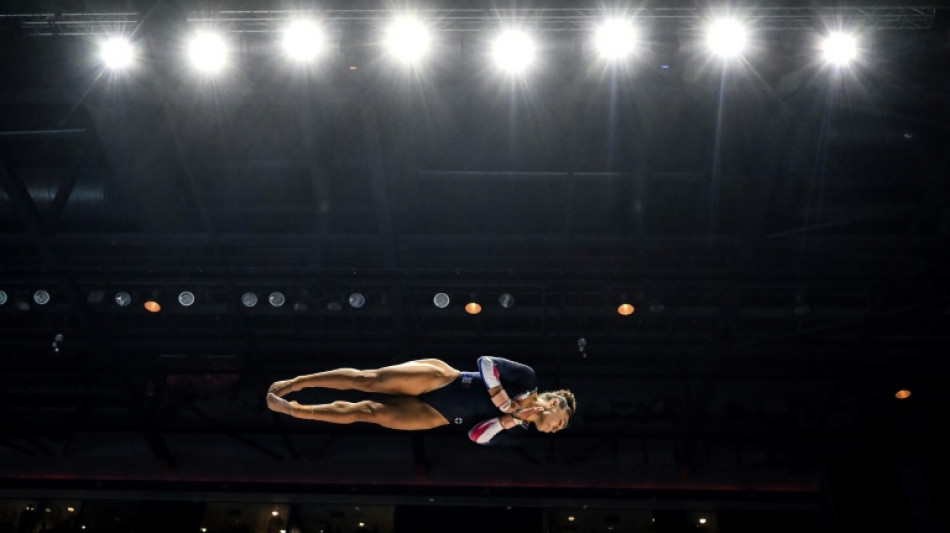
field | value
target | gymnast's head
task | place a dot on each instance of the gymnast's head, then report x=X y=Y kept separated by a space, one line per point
x=559 y=407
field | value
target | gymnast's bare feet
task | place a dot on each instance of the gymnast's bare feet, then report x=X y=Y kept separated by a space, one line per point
x=278 y=404
x=281 y=388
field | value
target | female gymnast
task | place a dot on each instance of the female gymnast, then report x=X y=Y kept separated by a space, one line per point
x=428 y=393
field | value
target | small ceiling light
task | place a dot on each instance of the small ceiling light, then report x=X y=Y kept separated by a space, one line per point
x=95 y=297
x=277 y=299
x=41 y=297
x=123 y=299
x=506 y=300
x=356 y=300
x=473 y=308
x=702 y=520
x=152 y=306
x=657 y=309
x=441 y=300
x=204 y=530
x=570 y=518
x=902 y=394
x=3 y=297
x=71 y=509
x=249 y=299
x=626 y=309
x=334 y=306
x=362 y=524
x=275 y=512
x=186 y=298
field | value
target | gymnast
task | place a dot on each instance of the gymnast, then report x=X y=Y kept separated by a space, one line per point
x=501 y=399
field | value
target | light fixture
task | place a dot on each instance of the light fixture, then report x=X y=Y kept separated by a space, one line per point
x=249 y=299
x=186 y=298
x=208 y=52
x=123 y=299
x=726 y=38
x=408 y=39
x=441 y=300
x=116 y=53
x=506 y=300
x=902 y=394
x=615 y=39
x=513 y=51
x=473 y=308
x=3 y=297
x=303 y=40
x=626 y=309
x=277 y=299
x=275 y=512
x=356 y=300
x=839 y=48
x=41 y=297
x=152 y=306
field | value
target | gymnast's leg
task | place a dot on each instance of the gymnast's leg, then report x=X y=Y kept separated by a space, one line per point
x=406 y=379
x=397 y=412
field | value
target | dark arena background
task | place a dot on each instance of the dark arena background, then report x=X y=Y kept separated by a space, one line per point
x=777 y=224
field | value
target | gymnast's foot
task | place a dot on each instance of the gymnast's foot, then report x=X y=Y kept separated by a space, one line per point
x=278 y=405
x=281 y=388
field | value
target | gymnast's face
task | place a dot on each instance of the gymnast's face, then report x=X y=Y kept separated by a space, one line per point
x=554 y=417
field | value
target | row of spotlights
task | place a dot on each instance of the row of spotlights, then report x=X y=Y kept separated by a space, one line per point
x=409 y=41
x=277 y=299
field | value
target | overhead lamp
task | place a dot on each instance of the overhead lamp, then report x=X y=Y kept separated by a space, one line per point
x=3 y=297
x=506 y=300
x=41 y=297
x=152 y=306
x=123 y=299
x=902 y=394
x=277 y=299
x=356 y=300
x=116 y=53
x=441 y=300
x=249 y=299
x=473 y=308
x=626 y=309
x=186 y=298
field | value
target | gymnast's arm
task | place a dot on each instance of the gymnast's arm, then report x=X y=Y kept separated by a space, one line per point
x=494 y=369
x=504 y=430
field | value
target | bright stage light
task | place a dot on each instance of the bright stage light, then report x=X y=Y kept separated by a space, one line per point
x=117 y=53
x=615 y=39
x=303 y=40
x=513 y=51
x=208 y=52
x=408 y=40
x=727 y=38
x=839 y=48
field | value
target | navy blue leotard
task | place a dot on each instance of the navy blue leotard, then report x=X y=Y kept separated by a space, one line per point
x=465 y=401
